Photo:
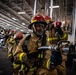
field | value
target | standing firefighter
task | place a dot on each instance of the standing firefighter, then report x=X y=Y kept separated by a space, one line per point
x=55 y=34
x=30 y=58
x=54 y=31
x=13 y=43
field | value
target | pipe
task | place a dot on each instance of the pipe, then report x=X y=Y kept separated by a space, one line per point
x=35 y=6
x=5 y=7
x=51 y=9
x=18 y=8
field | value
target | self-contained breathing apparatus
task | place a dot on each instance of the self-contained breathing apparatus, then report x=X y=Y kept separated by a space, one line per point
x=36 y=57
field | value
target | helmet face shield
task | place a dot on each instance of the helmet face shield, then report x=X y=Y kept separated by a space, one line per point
x=39 y=29
x=39 y=25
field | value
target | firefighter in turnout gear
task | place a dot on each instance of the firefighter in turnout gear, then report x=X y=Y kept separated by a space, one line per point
x=30 y=58
x=55 y=34
x=14 y=40
x=10 y=40
x=46 y=69
x=54 y=31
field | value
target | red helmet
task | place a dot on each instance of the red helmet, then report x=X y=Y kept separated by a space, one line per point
x=48 y=19
x=58 y=23
x=49 y=22
x=37 y=19
x=18 y=35
x=12 y=32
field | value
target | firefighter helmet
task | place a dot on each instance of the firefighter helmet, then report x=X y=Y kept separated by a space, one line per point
x=58 y=23
x=37 y=19
x=38 y=25
x=48 y=19
x=18 y=35
x=50 y=23
x=12 y=31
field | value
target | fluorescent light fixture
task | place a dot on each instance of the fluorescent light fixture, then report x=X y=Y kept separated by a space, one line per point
x=27 y=32
x=63 y=22
x=13 y=18
x=54 y=7
x=23 y=23
x=21 y=30
x=4 y=28
x=8 y=24
x=22 y=12
x=17 y=28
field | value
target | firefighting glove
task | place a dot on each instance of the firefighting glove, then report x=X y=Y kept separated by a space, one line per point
x=59 y=30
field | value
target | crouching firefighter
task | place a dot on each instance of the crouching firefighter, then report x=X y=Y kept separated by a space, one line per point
x=30 y=58
x=55 y=34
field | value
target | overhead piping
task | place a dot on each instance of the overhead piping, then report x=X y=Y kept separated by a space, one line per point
x=5 y=7
x=25 y=15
